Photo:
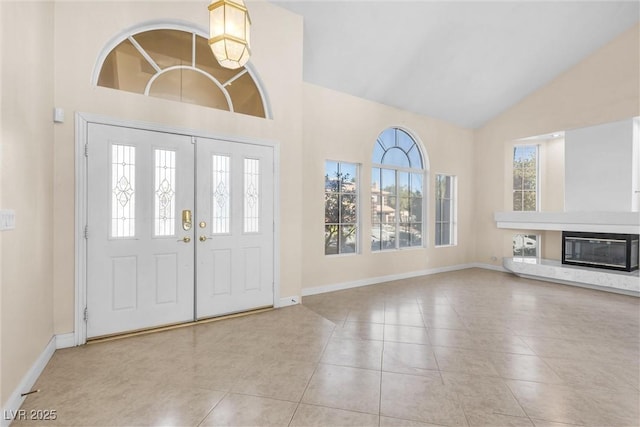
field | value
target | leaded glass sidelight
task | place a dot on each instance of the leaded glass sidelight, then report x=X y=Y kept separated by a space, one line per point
x=251 y=195
x=220 y=195
x=123 y=191
x=165 y=193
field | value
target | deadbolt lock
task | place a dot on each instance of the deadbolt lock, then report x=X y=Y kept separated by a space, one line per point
x=203 y=224
x=186 y=220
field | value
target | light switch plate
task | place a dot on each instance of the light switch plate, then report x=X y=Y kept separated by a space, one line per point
x=7 y=219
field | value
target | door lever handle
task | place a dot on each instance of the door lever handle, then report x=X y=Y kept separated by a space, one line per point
x=185 y=239
x=203 y=238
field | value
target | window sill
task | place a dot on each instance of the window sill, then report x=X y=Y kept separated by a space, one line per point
x=409 y=248
x=346 y=254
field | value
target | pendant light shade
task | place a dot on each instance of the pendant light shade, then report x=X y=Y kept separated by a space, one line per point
x=229 y=28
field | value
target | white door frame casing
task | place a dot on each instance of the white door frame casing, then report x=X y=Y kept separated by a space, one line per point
x=82 y=121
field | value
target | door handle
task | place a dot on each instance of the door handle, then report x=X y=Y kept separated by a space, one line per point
x=185 y=239
x=203 y=238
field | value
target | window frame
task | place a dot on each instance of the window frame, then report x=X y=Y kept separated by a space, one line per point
x=410 y=171
x=357 y=223
x=522 y=190
x=131 y=32
x=453 y=211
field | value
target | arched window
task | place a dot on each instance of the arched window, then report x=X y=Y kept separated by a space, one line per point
x=176 y=63
x=397 y=196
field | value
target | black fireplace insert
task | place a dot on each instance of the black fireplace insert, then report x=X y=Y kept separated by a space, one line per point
x=600 y=250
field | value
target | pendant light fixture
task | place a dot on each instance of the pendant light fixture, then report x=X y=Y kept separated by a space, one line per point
x=229 y=27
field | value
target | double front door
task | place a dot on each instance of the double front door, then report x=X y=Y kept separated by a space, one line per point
x=179 y=228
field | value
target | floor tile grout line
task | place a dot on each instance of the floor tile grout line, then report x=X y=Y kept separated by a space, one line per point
x=315 y=369
x=381 y=375
x=214 y=407
x=518 y=401
x=338 y=409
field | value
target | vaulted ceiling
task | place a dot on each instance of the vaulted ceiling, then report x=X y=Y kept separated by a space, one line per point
x=463 y=62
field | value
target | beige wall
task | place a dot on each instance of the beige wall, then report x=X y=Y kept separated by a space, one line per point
x=277 y=56
x=26 y=178
x=344 y=128
x=2 y=396
x=37 y=158
x=602 y=88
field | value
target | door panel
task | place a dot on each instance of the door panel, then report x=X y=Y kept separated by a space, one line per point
x=139 y=270
x=235 y=227
x=145 y=267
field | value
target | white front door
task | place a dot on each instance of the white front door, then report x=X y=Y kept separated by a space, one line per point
x=145 y=237
x=234 y=262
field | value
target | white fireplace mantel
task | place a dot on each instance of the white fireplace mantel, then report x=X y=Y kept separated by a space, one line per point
x=597 y=222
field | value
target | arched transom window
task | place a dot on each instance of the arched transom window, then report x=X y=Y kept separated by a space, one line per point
x=397 y=198
x=178 y=64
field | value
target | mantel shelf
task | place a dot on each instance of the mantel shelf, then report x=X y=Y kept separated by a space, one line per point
x=597 y=222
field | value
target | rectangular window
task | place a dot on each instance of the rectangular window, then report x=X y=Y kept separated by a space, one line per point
x=525 y=247
x=251 y=195
x=165 y=184
x=123 y=191
x=396 y=209
x=445 y=210
x=525 y=178
x=220 y=197
x=340 y=208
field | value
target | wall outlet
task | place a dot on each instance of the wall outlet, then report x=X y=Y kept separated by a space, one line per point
x=7 y=219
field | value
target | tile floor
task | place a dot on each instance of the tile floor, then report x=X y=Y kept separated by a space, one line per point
x=473 y=347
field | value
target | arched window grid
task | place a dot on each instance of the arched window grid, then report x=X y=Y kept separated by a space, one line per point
x=398 y=224
x=215 y=81
x=130 y=35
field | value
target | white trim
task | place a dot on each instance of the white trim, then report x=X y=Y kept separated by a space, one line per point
x=65 y=340
x=82 y=121
x=179 y=26
x=603 y=222
x=140 y=28
x=266 y=102
x=382 y=279
x=81 y=138
x=288 y=301
x=215 y=81
x=276 y=223
x=15 y=400
x=144 y=54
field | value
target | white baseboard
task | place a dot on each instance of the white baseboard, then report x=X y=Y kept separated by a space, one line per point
x=382 y=279
x=15 y=400
x=287 y=301
x=65 y=340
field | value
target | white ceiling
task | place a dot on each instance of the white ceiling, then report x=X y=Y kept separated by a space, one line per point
x=463 y=62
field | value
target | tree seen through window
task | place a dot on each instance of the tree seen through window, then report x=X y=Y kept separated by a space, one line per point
x=340 y=208
x=525 y=178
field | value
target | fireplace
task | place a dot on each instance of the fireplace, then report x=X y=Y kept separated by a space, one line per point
x=600 y=250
